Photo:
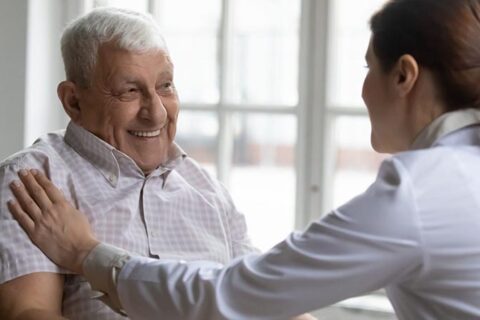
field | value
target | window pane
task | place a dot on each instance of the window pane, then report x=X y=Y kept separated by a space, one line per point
x=192 y=38
x=265 y=52
x=138 y=5
x=262 y=180
x=197 y=136
x=356 y=164
x=348 y=41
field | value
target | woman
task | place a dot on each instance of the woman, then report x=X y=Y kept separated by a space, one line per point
x=415 y=231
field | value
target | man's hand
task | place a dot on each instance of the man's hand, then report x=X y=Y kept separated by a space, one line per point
x=52 y=223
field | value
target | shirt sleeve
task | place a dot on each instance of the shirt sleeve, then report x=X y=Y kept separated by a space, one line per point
x=368 y=243
x=18 y=256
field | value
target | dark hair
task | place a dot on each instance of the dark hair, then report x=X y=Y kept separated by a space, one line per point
x=442 y=35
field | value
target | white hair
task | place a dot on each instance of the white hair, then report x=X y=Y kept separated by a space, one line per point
x=129 y=30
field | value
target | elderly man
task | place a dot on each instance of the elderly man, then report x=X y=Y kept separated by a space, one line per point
x=118 y=164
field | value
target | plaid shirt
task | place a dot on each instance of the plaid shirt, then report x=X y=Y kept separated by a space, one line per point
x=178 y=211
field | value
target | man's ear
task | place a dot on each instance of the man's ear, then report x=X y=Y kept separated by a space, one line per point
x=405 y=74
x=68 y=94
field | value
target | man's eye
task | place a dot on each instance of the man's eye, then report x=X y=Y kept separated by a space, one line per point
x=127 y=93
x=166 y=87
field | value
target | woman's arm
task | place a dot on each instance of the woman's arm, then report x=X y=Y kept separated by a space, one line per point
x=364 y=245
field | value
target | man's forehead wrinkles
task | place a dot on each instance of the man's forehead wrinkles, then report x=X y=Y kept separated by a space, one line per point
x=124 y=75
x=130 y=79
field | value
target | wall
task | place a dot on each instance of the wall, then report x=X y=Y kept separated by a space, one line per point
x=44 y=112
x=13 y=44
x=30 y=69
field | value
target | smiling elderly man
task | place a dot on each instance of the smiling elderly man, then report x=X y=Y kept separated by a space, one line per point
x=118 y=163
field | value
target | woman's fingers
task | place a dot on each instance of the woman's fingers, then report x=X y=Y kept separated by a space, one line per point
x=27 y=204
x=35 y=190
x=53 y=193
x=22 y=217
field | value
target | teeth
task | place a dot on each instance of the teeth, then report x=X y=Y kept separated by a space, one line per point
x=145 y=133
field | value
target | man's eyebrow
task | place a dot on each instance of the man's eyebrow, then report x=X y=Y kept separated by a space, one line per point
x=130 y=80
x=125 y=77
x=166 y=73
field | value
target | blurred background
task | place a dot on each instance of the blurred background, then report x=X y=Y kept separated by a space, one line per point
x=270 y=95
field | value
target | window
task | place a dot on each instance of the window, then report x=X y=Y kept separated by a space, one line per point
x=271 y=105
x=240 y=70
x=355 y=164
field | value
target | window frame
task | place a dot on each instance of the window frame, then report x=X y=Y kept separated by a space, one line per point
x=316 y=149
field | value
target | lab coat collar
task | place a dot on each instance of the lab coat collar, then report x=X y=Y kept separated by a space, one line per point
x=446 y=123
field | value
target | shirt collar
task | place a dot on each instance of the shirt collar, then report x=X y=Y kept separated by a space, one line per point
x=445 y=124
x=111 y=161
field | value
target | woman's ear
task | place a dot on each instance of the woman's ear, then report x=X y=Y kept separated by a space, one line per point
x=68 y=95
x=405 y=75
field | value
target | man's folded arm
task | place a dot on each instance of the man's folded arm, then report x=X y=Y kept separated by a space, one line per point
x=34 y=296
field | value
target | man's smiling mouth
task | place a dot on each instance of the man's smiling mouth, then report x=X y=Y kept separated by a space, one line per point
x=145 y=134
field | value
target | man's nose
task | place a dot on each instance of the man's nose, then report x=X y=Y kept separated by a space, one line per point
x=153 y=108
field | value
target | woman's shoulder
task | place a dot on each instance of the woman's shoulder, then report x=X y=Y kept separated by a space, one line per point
x=424 y=159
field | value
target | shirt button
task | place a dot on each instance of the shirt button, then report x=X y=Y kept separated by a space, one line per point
x=112 y=179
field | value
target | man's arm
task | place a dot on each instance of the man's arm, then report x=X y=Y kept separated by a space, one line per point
x=37 y=296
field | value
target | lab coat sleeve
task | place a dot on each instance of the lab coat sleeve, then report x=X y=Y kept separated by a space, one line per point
x=101 y=268
x=368 y=243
